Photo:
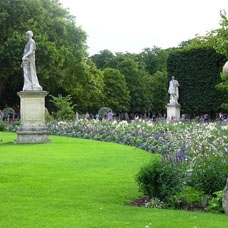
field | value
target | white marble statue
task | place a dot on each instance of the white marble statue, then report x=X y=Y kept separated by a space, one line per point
x=28 y=64
x=173 y=91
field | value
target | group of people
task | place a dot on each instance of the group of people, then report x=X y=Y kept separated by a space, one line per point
x=106 y=116
x=156 y=118
x=122 y=116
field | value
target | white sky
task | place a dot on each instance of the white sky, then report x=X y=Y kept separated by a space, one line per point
x=132 y=25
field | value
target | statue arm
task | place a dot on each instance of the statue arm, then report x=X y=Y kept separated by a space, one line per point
x=27 y=55
x=31 y=50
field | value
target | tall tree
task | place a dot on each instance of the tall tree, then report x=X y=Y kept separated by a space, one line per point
x=219 y=40
x=89 y=89
x=155 y=59
x=116 y=94
x=143 y=86
x=102 y=59
x=134 y=77
x=61 y=55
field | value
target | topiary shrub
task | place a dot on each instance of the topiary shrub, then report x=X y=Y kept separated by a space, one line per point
x=103 y=112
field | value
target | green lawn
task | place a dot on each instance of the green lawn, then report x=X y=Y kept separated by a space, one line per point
x=74 y=183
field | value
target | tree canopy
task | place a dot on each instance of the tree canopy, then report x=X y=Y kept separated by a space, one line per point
x=61 y=55
x=148 y=92
x=125 y=82
x=116 y=93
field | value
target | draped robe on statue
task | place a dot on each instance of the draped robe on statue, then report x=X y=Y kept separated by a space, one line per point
x=29 y=68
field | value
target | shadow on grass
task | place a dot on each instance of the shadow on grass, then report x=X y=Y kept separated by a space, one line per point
x=9 y=143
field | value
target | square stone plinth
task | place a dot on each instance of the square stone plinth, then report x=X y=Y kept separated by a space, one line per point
x=173 y=112
x=33 y=128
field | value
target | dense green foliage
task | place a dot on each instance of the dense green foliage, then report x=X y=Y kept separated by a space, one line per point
x=116 y=94
x=160 y=180
x=189 y=198
x=61 y=52
x=157 y=91
x=219 y=38
x=80 y=183
x=198 y=72
x=135 y=78
x=65 y=108
x=154 y=59
x=103 y=59
x=209 y=173
x=145 y=74
x=63 y=65
x=215 y=204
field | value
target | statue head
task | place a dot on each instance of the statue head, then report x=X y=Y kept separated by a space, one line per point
x=173 y=78
x=29 y=34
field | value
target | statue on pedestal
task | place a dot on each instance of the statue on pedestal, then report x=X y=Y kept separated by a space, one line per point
x=28 y=64
x=173 y=91
x=33 y=128
x=173 y=107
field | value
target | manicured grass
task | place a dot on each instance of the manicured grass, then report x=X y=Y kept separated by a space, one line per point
x=74 y=183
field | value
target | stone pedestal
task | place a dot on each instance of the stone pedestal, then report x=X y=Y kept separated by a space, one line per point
x=33 y=128
x=173 y=112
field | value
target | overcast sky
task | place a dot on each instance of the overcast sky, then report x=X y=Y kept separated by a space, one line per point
x=132 y=25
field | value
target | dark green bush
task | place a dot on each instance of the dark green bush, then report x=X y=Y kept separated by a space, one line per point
x=148 y=178
x=161 y=179
x=209 y=173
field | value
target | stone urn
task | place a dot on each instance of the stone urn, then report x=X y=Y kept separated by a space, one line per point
x=225 y=69
x=225 y=199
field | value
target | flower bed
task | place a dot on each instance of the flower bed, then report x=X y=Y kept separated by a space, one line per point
x=193 y=139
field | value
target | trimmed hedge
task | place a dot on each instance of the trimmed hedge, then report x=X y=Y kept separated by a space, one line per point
x=198 y=72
